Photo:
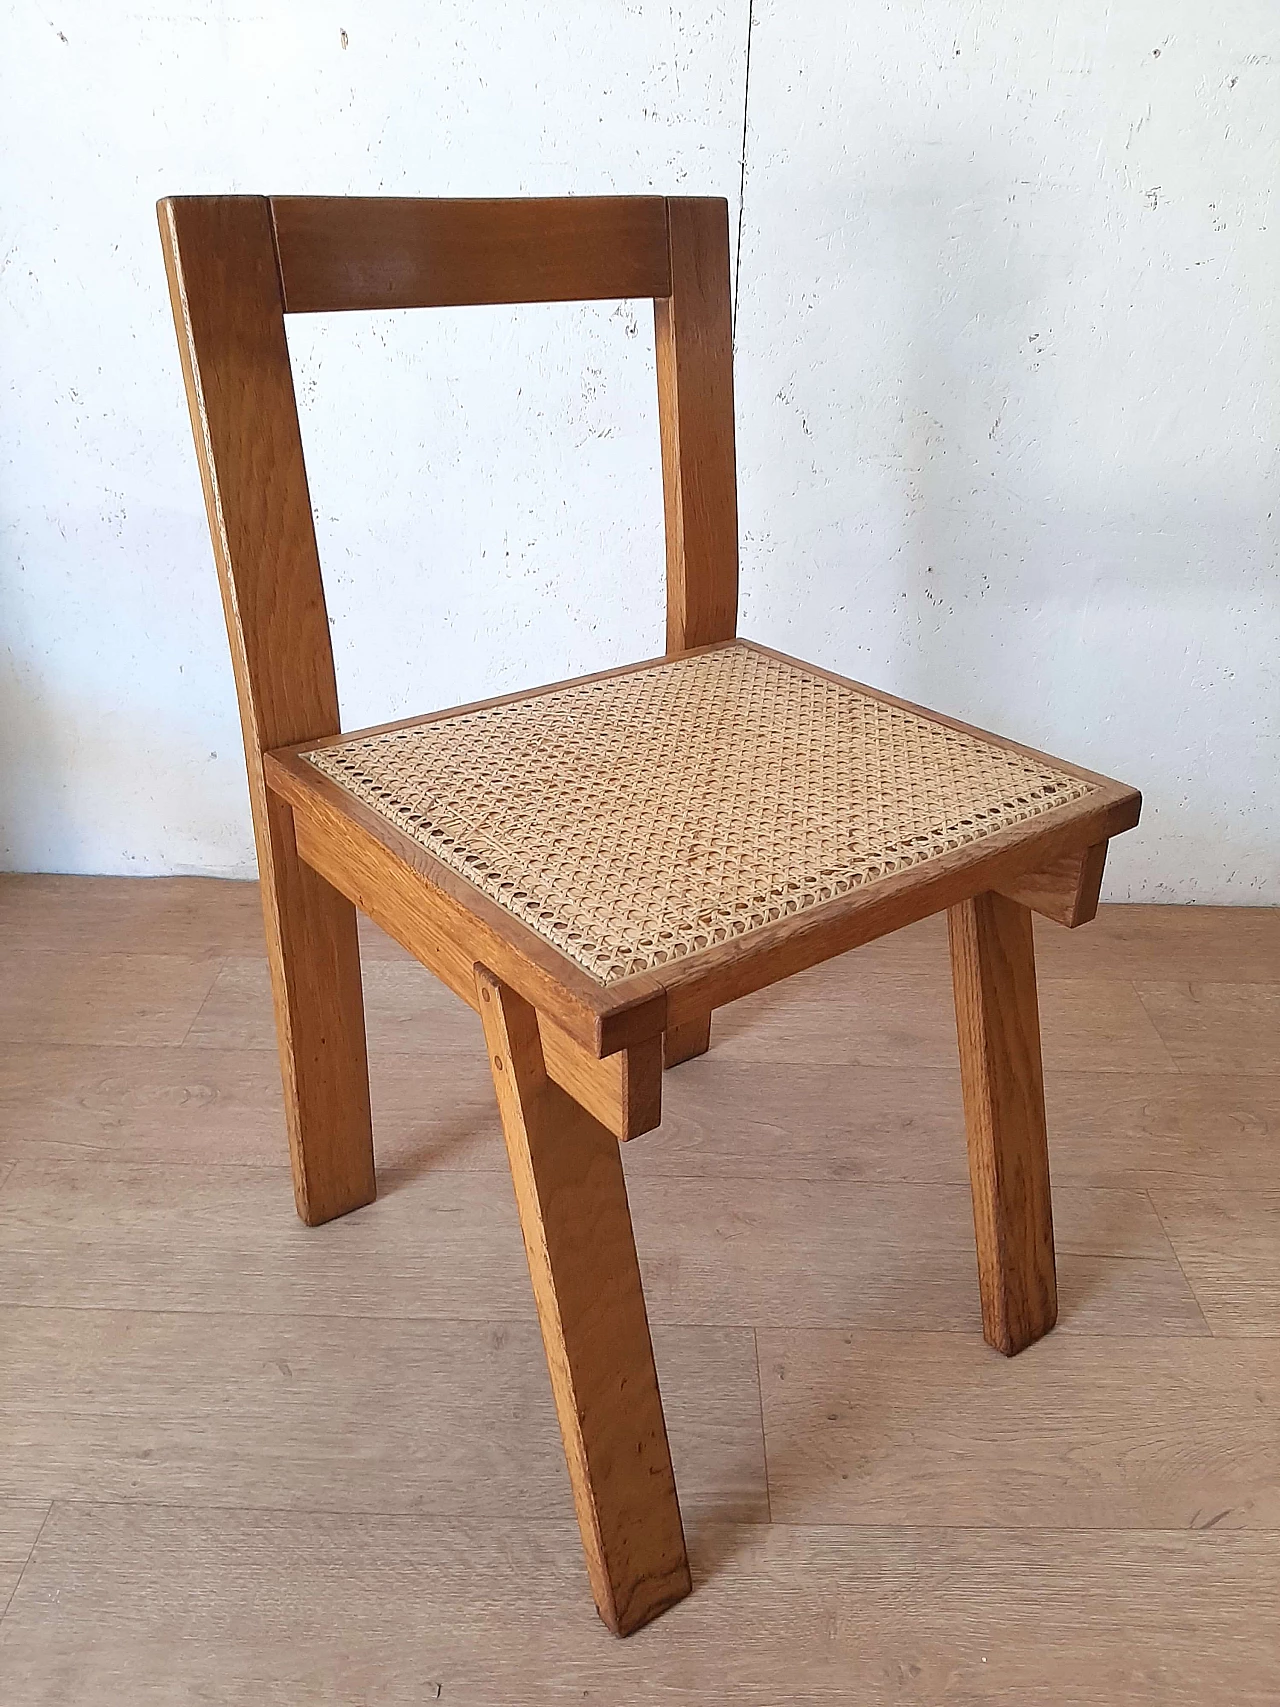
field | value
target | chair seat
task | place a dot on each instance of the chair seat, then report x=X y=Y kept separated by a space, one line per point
x=634 y=819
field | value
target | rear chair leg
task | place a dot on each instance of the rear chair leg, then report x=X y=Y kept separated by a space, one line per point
x=682 y=1042
x=572 y=1200
x=319 y=1006
x=998 y=1024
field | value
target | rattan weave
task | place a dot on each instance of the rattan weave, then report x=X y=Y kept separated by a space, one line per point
x=634 y=820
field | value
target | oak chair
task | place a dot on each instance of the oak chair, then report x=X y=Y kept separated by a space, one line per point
x=597 y=865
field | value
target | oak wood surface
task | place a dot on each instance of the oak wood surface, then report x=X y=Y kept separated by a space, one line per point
x=380 y=252
x=414 y=1017
x=623 y=1089
x=1080 y=1432
x=1227 y=1242
x=442 y=918
x=227 y=307
x=770 y=1114
x=1002 y=1083
x=1066 y=891
x=88 y=1232
x=1231 y=945
x=694 y=346
x=1115 y=1486
x=881 y=1014
x=187 y=916
x=58 y=996
x=236 y=265
x=1215 y=1026
x=308 y=1608
x=572 y=1200
x=685 y=1042
x=389 y=1414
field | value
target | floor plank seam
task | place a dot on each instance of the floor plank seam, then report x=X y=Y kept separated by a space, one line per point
x=963 y=1335
x=1187 y=1278
x=26 y=1562
x=764 y=1437
x=699 y=1515
x=696 y=1509
x=219 y=966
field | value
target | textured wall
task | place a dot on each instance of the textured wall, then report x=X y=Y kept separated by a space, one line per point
x=1006 y=369
x=1009 y=393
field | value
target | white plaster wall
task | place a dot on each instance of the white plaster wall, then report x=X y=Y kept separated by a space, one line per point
x=486 y=482
x=1009 y=388
x=1006 y=367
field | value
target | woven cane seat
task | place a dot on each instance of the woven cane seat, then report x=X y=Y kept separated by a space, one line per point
x=634 y=819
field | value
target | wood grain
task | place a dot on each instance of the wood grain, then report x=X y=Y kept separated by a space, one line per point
x=694 y=344
x=212 y=1107
x=53 y=996
x=685 y=1042
x=447 y=923
x=1124 y=1129
x=757 y=1119
x=1076 y=1433
x=611 y=1061
x=409 y=1012
x=20 y=1523
x=1220 y=944
x=894 y=1258
x=380 y=252
x=1116 y=1486
x=1212 y=1027
x=860 y=1012
x=586 y=1283
x=1227 y=1238
x=998 y=1025
x=187 y=916
x=236 y=266
x=1066 y=891
x=229 y=315
x=333 y=1413
x=331 y=1610
x=93 y=1233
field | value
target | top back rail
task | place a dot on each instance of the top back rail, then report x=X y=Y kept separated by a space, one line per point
x=339 y=252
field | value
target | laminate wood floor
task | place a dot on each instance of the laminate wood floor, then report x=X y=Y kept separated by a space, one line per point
x=246 y=1462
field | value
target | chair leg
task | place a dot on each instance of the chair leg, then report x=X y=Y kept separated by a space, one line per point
x=315 y=983
x=683 y=1042
x=572 y=1200
x=998 y=1024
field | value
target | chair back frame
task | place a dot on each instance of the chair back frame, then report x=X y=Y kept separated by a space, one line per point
x=238 y=264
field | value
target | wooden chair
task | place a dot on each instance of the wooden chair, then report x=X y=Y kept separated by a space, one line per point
x=597 y=865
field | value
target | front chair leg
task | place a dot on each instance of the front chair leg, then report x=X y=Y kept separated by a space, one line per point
x=572 y=1200
x=998 y=1024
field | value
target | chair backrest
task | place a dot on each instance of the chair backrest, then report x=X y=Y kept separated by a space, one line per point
x=238 y=264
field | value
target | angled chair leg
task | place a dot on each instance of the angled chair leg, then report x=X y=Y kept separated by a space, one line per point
x=998 y=1024
x=682 y=1042
x=319 y=1007
x=572 y=1200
